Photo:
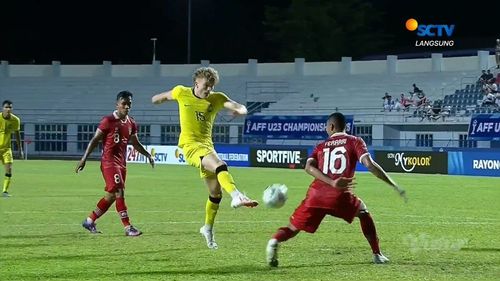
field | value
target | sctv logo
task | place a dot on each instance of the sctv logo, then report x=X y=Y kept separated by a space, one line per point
x=430 y=30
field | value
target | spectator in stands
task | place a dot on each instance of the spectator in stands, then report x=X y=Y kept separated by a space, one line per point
x=482 y=79
x=490 y=94
x=445 y=111
x=488 y=99
x=397 y=105
x=489 y=76
x=416 y=90
x=405 y=102
x=491 y=88
x=497 y=53
x=436 y=110
x=425 y=110
x=420 y=99
x=388 y=102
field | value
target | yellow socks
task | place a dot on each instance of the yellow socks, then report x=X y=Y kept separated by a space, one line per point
x=211 y=208
x=226 y=181
x=6 y=183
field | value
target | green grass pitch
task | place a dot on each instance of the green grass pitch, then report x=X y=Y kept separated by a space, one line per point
x=449 y=230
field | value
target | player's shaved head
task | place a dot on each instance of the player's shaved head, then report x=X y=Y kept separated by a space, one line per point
x=8 y=102
x=338 y=120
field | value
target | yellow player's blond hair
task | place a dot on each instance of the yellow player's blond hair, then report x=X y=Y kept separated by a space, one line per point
x=208 y=73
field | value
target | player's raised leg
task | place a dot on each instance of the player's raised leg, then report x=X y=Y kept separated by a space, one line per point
x=211 y=162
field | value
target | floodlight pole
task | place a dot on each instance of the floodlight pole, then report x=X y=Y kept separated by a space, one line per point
x=154 y=49
x=189 y=33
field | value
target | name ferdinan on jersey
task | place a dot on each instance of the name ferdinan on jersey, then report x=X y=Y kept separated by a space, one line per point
x=336 y=142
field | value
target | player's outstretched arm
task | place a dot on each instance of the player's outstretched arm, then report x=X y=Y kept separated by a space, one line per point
x=342 y=182
x=376 y=170
x=236 y=108
x=162 y=97
x=92 y=145
x=139 y=147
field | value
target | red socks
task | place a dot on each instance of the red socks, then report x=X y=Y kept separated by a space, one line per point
x=368 y=228
x=121 y=208
x=102 y=207
x=284 y=233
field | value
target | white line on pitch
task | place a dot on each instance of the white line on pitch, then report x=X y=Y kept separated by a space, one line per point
x=201 y=211
x=267 y=221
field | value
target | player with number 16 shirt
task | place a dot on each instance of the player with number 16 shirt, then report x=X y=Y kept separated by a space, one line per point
x=332 y=164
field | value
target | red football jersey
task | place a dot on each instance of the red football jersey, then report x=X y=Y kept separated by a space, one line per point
x=116 y=136
x=337 y=156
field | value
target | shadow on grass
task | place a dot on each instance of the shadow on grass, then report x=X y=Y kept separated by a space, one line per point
x=38 y=236
x=223 y=270
x=19 y=246
x=94 y=256
x=218 y=271
x=228 y=270
x=172 y=233
x=493 y=250
x=447 y=263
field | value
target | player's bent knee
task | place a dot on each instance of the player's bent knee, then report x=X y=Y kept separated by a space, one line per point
x=215 y=200
x=110 y=197
x=362 y=209
x=221 y=168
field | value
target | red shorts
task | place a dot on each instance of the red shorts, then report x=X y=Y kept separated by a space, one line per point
x=312 y=210
x=114 y=177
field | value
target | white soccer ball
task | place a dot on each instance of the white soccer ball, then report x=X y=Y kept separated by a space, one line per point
x=275 y=195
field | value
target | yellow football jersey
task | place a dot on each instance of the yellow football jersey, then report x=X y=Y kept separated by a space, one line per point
x=197 y=115
x=7 y=126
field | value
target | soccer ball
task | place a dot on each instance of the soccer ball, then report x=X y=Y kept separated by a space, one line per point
x=275 y=195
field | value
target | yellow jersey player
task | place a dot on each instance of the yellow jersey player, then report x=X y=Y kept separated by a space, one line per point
x=198 y=107
x=9 y=123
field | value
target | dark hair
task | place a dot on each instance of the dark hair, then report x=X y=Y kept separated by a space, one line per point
x=124 y=95
x=6 y=102
x=338 y=120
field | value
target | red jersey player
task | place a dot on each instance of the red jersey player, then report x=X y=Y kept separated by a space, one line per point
x=332 y=164
x=116 y=131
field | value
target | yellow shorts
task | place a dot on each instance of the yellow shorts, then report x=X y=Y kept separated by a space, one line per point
x=6 y=155
x=194 y=152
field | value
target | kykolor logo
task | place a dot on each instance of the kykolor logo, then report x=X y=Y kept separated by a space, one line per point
x=413 y=161
x=431 y=35
x=408 y=163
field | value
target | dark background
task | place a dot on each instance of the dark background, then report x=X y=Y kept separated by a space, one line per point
x=232 y=31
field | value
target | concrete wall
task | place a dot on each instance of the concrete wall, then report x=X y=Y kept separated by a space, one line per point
x=300 y=67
